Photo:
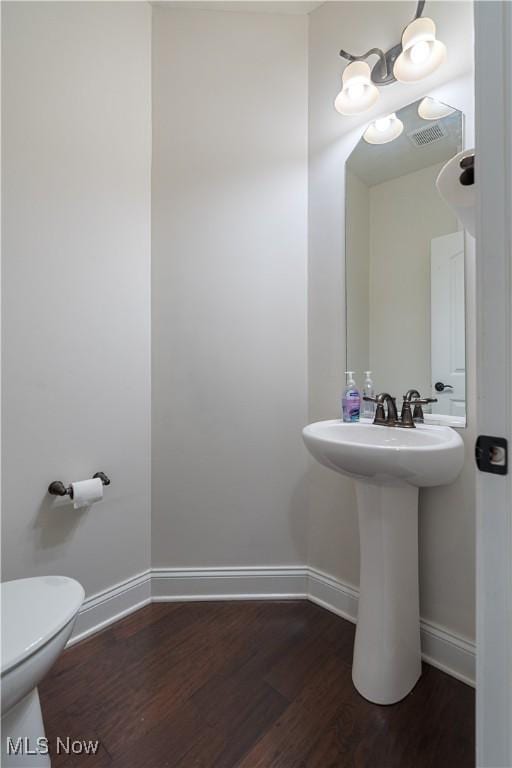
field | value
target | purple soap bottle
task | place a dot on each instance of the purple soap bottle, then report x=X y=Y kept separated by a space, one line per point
x=351 y=401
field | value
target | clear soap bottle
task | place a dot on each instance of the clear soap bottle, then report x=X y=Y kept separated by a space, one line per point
x=368 y=408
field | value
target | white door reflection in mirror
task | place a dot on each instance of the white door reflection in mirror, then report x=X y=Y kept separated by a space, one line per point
x=447 y=321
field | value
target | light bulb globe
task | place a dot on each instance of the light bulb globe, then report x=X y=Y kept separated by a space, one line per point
x=358 y=92
x=355 y=91
x=431 y=109
x=383 y=124
x=384 y=130
x=421 y=53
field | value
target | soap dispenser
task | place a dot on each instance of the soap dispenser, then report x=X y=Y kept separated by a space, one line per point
x=368 y=407
x=351 y=401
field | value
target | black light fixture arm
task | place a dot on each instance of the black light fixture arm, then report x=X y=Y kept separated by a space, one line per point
x=373 y=51
x=419 y=9
x=382 y=73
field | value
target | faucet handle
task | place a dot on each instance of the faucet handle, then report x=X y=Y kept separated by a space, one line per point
x=417 y=414
x=379 y=415
x=406 y=417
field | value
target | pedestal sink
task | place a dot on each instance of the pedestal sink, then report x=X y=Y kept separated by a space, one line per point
x=388 y=464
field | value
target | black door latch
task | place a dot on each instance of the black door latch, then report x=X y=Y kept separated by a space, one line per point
x=491 y=454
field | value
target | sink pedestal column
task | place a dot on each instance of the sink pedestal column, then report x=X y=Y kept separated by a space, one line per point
x=387 y=656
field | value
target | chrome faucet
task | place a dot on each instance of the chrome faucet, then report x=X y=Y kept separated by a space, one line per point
x=408 y=419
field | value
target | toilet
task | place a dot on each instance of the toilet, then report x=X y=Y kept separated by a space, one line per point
x=38 y=615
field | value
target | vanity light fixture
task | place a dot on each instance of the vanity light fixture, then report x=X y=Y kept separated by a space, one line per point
x=383 y=130
x=431 y=109
x=358 y=93
x=416 y=56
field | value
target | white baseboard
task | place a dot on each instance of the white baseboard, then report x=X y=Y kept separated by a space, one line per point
x=332 y=594
x=448 y=652
x=112 y=604
x=440 y=648
x=176 y=584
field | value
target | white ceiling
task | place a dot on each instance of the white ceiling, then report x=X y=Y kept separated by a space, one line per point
x=243 y=6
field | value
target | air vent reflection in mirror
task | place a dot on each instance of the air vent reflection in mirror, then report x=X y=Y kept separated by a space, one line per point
x=427 y=135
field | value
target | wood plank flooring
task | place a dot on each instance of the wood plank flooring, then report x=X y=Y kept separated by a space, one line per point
x=244 y=685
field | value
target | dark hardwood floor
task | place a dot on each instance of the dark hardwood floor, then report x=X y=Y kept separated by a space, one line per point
x=245 y=685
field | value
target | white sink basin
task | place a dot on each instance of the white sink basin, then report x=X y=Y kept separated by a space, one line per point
x=389 y=465
x=426 y=455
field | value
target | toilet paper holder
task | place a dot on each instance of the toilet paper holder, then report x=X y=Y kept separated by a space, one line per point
x=57 y=487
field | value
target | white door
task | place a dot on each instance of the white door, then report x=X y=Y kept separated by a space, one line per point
x=448 y=344
x=493 y=71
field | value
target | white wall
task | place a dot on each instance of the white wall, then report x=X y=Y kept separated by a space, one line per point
x=76 y=302
x=358 y=274
x=229 y=288
x=447 y=555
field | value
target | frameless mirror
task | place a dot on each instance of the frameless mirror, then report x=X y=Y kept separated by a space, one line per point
x=405 y=261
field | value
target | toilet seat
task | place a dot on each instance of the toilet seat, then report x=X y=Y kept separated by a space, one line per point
x=33 y=612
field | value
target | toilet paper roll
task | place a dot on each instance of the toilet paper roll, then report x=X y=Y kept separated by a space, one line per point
x=460 y=198
x=86 y=492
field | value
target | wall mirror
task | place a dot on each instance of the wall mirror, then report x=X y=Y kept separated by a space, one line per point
x=405 y=260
